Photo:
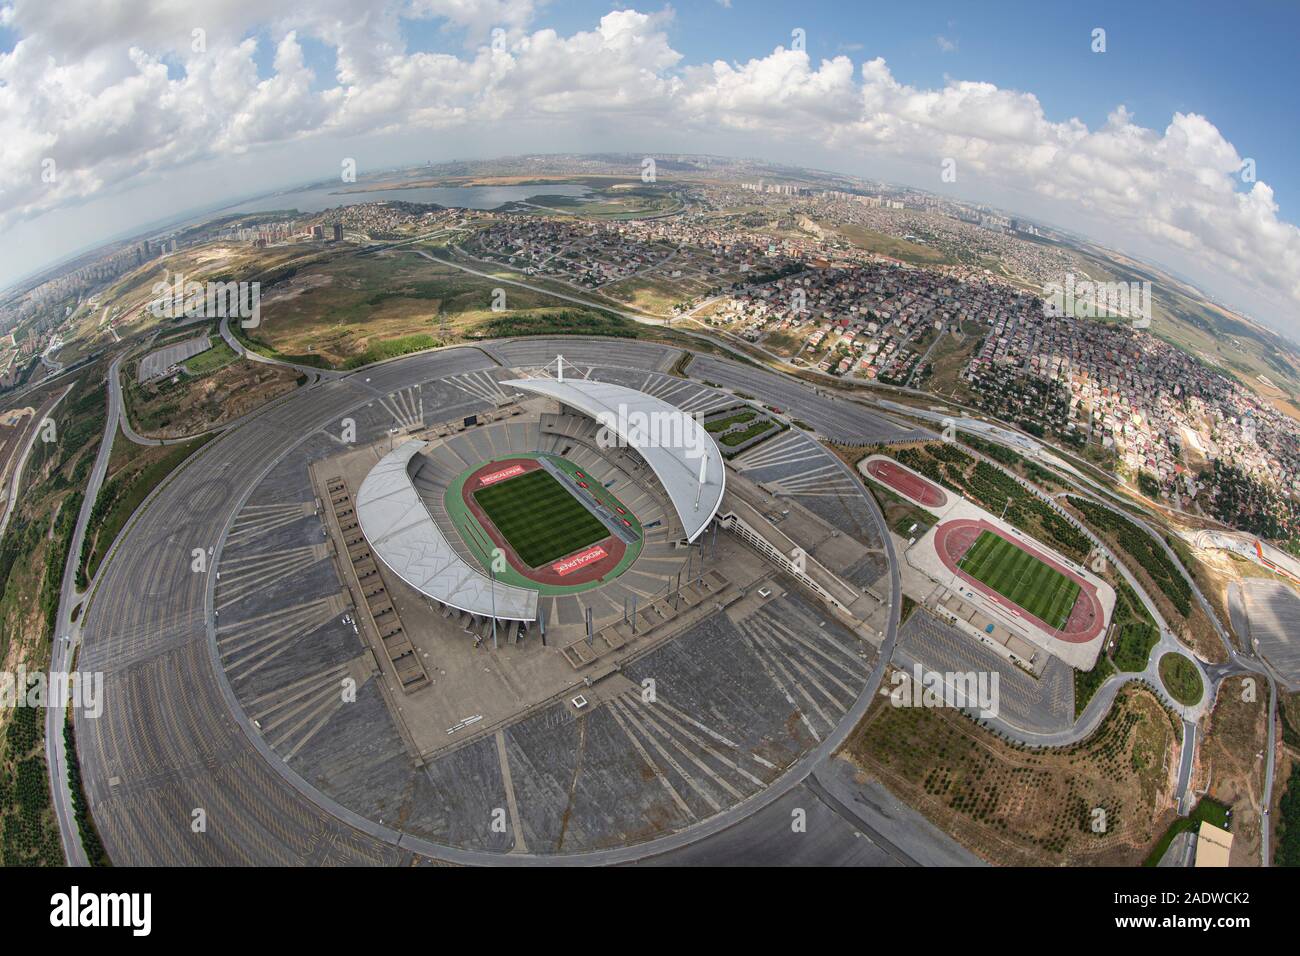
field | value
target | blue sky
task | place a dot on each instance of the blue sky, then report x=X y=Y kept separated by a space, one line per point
x=142 y=158
x=1237 y=65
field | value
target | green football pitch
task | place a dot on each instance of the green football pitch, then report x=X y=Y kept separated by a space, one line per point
x=539 y=517
x=1020 y=577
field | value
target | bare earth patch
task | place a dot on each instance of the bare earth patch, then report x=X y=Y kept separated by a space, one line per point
x=1230 y=764
x=215 y=399
x=1023 y=807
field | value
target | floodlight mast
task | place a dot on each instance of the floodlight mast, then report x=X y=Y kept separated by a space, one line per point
x=559 y=368
x=704 y=471
x=492 y=589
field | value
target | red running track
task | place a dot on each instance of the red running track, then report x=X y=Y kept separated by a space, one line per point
x=907 y=483
x=952 y=539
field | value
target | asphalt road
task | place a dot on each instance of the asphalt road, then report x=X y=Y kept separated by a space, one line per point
x=1183 y=789
x=115 y=399
x=67 y=633
x=768 y=838
x=1269 y=752
x=776 y=389
x=1238 y=663
x=115 y=383
x=837 y=419
x=833 y=817
x=313 y=374
x=1100 y=703
x=577 y=300
x=183 y=743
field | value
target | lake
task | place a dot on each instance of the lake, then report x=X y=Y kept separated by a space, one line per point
x=466 y=197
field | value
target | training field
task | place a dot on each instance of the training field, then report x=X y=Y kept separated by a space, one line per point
x=1021 y=578
x=539 y=518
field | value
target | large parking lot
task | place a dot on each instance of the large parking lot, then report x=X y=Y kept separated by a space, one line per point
x=1273 y=612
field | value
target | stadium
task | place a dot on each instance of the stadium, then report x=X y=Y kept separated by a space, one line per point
x=573 y=525
x=532 y=596
x=566 y=511
x=1011 y=591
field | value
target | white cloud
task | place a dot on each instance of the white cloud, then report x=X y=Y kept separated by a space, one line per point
x=90 y=86
x=478 y=17
x=779 y=92
x=1177 y=187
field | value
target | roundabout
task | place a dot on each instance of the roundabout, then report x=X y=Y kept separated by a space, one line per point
x=1181 y=679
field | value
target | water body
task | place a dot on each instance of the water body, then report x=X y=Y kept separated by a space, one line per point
x=465 y=197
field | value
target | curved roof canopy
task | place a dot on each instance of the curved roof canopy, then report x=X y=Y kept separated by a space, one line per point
x=682 y=454
x=403 y=535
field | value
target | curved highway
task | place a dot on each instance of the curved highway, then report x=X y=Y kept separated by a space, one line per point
x=173 y=770
x=67 y=634
x=313 y=373
x=174 y=744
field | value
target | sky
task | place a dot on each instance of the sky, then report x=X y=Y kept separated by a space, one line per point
x=1177 y=143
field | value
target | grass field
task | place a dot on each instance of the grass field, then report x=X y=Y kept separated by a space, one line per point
x=1133 y=649
x=913 y=252
x=351 y=309
x=211 y=359
x=539 y=517
x=1181 y=679
x=1019 y=576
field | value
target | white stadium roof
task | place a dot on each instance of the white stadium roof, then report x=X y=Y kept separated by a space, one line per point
x=403 y=535
x=674 y=444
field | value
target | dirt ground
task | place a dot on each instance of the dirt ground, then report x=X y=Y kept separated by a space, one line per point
x=338 y=309
x=1200 y=636
x=1194 y=629
x=195 y=406
x=949 y=359
x=1016 y=806
x=1229 y=765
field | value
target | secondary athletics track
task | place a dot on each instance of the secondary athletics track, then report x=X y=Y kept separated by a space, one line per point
x=952 y=539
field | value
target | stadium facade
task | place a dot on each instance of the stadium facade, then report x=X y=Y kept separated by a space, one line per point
x=402 y=533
